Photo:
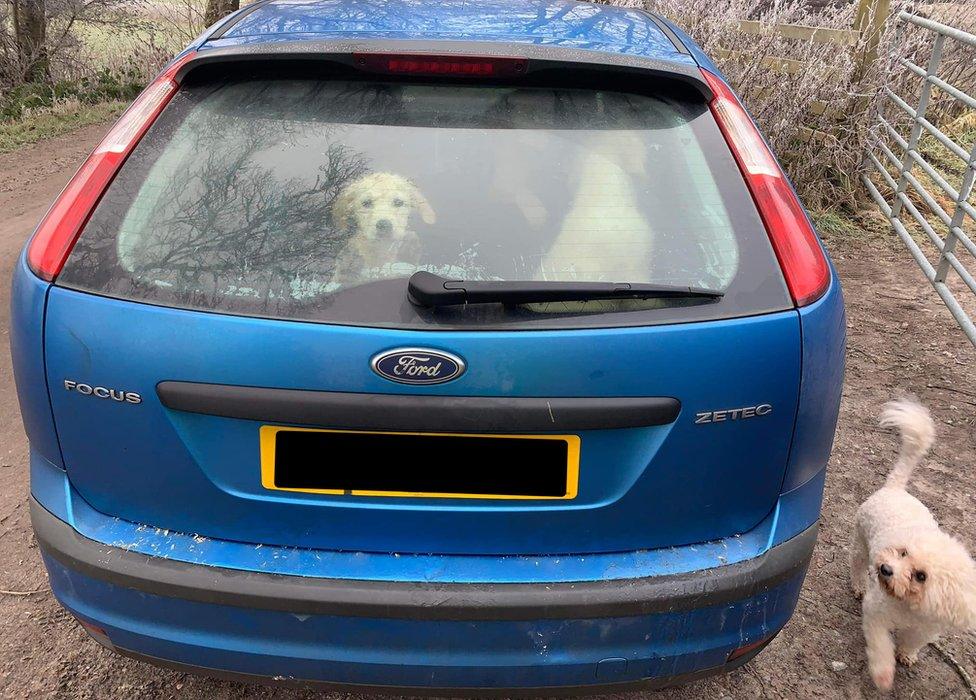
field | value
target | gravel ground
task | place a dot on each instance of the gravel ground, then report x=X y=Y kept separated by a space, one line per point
x=901 y=340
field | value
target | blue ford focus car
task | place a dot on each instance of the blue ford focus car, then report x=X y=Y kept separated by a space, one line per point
x=437 y=346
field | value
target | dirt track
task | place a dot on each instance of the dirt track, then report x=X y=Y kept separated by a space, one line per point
x=901 y=339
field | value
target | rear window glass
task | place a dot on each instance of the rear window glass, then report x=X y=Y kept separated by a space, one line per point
x=317 y=199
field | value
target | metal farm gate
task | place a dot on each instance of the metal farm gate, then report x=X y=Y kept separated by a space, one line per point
x=917 y=190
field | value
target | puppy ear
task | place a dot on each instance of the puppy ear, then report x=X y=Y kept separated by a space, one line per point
x=427 y=212
x=341 y=214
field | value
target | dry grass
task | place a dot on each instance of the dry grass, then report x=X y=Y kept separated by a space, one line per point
x=961 y=14
x=952 y=117
x=815 y=108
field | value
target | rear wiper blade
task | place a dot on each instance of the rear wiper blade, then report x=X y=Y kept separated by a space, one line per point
x=428 y=289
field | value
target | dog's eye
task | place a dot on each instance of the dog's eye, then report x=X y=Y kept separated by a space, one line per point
x=398 y=202
x=903 y=553
x=920 y=576
x=367 y=204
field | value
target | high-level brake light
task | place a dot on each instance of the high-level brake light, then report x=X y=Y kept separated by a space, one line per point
x=455 y=66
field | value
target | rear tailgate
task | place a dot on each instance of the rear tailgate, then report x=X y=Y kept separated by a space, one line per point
x=639 y=487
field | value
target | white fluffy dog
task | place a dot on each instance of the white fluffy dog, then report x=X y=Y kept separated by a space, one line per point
x=916 y=580
x=374 y=211
x=604 y=235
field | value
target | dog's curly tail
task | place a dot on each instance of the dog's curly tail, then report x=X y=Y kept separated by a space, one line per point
x=913 y=422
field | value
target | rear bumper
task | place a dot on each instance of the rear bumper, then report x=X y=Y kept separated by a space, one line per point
x=420 y=600
x=429 y=636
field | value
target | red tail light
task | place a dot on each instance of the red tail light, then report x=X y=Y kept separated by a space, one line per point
x=455 y=66
x=58 y=231
x=794 y=240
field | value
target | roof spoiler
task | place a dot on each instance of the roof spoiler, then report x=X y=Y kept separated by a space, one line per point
x=538 y=58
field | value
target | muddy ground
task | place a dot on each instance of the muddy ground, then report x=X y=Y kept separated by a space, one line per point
x=901 y=339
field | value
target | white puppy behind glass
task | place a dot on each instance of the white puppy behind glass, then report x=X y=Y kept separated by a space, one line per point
x=604 y=235
x=374 y=212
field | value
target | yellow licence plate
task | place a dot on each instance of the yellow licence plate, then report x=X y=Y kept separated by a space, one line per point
x=419 y=465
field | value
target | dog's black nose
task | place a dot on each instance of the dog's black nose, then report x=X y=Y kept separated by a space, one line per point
x=885 y=570
x=384 y=226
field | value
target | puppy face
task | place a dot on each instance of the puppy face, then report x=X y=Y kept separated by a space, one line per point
x=901 y=574
x=933 y=575
x=377 y=207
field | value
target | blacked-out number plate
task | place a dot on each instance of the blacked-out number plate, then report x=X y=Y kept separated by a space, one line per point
x=419 y=465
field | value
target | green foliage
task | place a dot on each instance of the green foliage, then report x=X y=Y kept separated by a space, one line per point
x=49 y=123
x=834 y=223
x=104 y=86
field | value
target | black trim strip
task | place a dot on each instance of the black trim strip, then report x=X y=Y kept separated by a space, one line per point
x=479 y=414
x=420 y=600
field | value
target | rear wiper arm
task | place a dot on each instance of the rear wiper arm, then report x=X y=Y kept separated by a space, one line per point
x=428 y=289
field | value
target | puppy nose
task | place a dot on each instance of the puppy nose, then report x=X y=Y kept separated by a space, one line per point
x=885 y=570
x=384 y=226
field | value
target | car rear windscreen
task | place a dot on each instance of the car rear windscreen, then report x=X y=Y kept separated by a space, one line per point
x=316 y=199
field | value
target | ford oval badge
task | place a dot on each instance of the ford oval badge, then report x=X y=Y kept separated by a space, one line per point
x=418 y=366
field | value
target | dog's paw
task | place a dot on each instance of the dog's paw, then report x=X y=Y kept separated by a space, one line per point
x=884 y=678
x=906 y=659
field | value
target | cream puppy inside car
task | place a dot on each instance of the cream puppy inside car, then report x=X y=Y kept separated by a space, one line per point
x=374 y=212
x=604 y=234
x=917 y=581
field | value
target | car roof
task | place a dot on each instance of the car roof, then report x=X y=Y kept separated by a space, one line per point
x=563 y=23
